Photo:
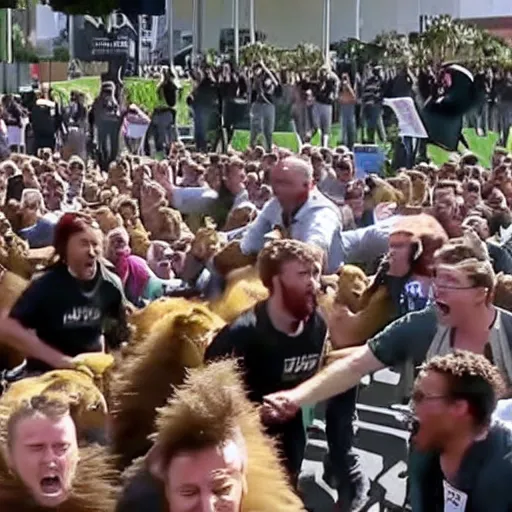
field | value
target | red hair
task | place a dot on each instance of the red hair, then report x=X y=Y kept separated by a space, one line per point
x=69 y=224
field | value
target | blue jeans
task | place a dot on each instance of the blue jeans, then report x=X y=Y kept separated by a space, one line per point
x=263 y=120
x=348 y=125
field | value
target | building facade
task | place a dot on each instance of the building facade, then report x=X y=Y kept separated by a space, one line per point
x=287 y=23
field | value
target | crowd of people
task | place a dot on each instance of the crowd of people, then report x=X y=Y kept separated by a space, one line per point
x=281 y=279
x=223 y=95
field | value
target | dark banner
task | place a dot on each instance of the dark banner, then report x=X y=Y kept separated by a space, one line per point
x=99 y=40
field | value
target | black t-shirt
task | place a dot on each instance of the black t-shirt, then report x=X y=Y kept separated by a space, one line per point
x=273 y=361
x=67 y=314
x=325 y=91
x=170 y=93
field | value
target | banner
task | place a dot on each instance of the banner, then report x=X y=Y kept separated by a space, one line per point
x=96 y=40
x=368 y=159
x=409 y=121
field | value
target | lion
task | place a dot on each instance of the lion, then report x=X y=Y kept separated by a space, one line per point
x=209 y=409
x=106 y=219
x=403 y=183
x=14 y=251
x=143 y=383
x=419 y=181
x=383 y=192
x=243 y=291
x=88 y=405
x=240 y=217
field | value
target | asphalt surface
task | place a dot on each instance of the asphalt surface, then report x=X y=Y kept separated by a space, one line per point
x=381 y=443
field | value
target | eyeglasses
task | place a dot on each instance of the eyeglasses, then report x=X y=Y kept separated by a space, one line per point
x=446 y=286
x=419 y=397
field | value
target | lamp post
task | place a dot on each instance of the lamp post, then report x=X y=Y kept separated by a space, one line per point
x=169 y=11
x=236 y=29
x=358 y=19
x=327 y=30
x=9 y=36
x=71 y=37
x=252 y=30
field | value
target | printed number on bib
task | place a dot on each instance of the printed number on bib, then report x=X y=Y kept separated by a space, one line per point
x=454 y=500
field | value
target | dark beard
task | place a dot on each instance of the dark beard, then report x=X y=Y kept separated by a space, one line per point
x=299 y=306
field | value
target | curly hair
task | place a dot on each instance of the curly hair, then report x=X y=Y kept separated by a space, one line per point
x=278 y=252
x=471 y=377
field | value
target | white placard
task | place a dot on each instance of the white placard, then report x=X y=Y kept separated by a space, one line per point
x=454 y=500
x=136 y=131
x=16 y=135
x=409 y=120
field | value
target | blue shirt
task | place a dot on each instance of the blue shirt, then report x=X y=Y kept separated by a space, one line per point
x=40 y=234
x=318 y=222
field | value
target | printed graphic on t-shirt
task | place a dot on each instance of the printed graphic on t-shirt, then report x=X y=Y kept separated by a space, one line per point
x=454 y=500
x=415 y=297
x=81 y=316
x=295 y=368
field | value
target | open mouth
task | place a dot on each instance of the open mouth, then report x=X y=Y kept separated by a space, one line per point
x=51 y=485
x=443 y=307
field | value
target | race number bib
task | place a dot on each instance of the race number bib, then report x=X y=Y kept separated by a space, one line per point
x=454 y=500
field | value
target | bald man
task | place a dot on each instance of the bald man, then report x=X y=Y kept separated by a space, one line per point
x=307 y=215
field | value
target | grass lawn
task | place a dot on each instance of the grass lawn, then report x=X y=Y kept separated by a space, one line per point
x=143 y=92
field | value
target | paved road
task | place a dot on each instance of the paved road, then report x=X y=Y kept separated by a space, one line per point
x=381 y=442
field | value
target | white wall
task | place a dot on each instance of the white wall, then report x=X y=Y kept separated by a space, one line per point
x=485 y=8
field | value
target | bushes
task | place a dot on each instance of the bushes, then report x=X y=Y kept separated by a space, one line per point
x=138 y=90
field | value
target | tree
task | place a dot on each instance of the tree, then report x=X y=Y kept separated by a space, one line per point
x=92 y=8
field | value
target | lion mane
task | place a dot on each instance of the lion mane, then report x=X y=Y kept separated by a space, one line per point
x=155 y=363
x=210 y=408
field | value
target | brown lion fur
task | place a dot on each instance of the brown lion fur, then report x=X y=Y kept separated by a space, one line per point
x=402 y=182
x=95 y=486
x=383 y=192
x=167 y=224
x=211 y=408
x=367 y=309
x=419 y=181
x=243 y=290
x=107 y=219
x=239 y=217
x=143 y=320
x=88 y=406
x=176 y=342
x=11 y=288
x=15 y=256
x=207 y=242
x=230 y=257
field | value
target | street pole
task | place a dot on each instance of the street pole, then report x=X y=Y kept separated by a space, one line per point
x=358 y=19
x=139 y=45
x=9 y=36
x=195 y=17
x=71 y=37
x=170 y=30
x=327 y=30
x=252 y=29
x=236 y=29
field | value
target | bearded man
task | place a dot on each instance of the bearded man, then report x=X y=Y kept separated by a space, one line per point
x=42 y=468
x=281 y=341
